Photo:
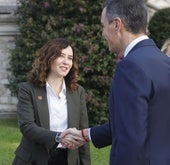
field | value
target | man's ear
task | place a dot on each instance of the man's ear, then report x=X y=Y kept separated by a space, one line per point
x=117 y=23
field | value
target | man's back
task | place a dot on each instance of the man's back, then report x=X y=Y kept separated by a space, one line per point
x=141 y=118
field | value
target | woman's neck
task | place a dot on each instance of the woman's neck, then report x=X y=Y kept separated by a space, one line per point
x=55 y=84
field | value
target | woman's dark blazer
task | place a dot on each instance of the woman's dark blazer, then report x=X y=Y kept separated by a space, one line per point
x=33 y=117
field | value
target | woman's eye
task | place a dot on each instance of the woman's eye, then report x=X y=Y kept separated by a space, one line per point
x=70 y=58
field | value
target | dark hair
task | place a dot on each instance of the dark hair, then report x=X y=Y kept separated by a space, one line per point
x=43 y=59
x=133 y=14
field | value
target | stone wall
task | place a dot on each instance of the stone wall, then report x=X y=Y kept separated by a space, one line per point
x=8 y=30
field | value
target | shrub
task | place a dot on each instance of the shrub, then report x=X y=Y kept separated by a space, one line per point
x=78 y=21
x=159 y=26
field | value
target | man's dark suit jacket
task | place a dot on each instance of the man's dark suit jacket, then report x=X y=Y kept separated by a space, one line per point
x=33 y=115
x=139 y=108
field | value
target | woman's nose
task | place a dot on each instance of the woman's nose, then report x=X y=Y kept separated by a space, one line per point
x=65 y=60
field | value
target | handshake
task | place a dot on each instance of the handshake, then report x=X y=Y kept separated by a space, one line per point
x=73 y=138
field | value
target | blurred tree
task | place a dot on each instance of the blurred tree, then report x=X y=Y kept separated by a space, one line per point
x=79 y=22
x=159 y=26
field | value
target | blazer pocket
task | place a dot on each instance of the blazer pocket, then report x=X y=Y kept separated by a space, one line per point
x=23 y=153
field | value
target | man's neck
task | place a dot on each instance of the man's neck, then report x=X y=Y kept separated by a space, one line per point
x=127 y=38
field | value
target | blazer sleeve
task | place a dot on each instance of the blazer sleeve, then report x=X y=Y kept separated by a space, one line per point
x=101 y=135
x=29 y=127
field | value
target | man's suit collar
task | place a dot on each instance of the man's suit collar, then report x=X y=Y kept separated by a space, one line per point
x=133 y=43
x=146 y=42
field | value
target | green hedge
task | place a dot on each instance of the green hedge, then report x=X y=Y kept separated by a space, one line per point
x=78 y=21
x=159 y=26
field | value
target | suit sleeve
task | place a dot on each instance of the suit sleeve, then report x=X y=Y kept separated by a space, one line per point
x=101 y=135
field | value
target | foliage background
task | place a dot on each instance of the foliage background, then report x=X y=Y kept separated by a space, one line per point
x=78 y=21
x=159 y=26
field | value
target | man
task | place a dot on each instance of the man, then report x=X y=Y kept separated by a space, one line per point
x=139 y=100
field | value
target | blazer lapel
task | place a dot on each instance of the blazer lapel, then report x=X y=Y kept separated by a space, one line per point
x=71 y=107
x=43 y=111
x=42 y=106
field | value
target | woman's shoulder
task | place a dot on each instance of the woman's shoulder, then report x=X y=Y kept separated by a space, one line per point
x=27 y=86
x=79 y=89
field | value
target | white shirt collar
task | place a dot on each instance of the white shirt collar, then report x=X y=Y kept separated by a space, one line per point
x=133 y=43
x=63 y=89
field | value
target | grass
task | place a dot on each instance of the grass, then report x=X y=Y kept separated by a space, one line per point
x=10 y=138
x=99 y=156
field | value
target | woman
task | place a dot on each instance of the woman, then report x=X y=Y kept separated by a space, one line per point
x=50 y=102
